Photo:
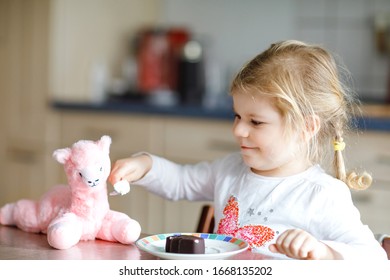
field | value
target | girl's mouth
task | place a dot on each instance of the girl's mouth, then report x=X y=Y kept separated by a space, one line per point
x=247 y=148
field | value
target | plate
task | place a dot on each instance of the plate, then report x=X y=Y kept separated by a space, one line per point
x=217 y=246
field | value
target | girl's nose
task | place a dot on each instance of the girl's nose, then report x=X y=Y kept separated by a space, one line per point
x=240 y=129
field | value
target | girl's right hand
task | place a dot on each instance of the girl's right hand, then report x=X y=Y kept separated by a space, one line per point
x=299 y=244
x=130 y=169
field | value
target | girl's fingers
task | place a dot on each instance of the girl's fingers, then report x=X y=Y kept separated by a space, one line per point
x=294 y=244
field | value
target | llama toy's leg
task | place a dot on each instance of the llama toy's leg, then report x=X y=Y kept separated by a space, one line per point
x=7 y=214
x=119 y=227
x=65 y=231
x=22 y=214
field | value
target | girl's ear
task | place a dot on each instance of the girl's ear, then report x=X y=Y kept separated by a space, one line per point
x=313 y=125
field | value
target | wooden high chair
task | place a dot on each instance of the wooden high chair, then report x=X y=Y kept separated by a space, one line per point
x=206 y=220
x=384 y=240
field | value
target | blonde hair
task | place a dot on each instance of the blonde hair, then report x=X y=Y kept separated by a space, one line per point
x=305 y=81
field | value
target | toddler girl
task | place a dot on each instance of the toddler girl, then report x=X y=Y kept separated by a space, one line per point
x=290 y=111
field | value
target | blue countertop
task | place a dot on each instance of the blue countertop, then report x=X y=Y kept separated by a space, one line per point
x=373 y=123
x=363 y=123
x=147 y=109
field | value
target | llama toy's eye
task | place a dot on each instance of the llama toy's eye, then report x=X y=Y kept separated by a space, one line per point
x=81 y=175
x=101 y=168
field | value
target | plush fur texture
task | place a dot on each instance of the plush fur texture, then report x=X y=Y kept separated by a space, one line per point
x=79 y=210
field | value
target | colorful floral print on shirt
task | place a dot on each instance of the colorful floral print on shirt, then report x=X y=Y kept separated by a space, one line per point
x=255 y=235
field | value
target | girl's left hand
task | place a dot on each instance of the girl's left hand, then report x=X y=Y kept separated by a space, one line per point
x=299 y=244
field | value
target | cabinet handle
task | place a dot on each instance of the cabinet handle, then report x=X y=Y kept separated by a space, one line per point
x=26 y=156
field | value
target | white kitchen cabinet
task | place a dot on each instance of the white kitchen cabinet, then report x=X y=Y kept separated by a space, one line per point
x=190 y=141
x=25 y=116
x=129 y=133
x=374 y=207
x=193 y=140
x=370 y=151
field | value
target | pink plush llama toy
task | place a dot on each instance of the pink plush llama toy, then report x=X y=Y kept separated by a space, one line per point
x=79 y=211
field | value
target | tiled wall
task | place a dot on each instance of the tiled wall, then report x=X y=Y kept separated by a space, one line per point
x=234 y=31
x=347 y=27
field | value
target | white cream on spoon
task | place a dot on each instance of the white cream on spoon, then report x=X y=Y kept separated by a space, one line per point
x=121 y=187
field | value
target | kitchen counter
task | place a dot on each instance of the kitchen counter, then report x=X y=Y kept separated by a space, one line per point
x=138 y=107
x=373 y=116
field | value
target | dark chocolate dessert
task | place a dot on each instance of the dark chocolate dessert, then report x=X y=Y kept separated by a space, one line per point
x=185 y=244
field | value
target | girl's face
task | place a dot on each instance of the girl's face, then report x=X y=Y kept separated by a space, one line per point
x=258 y=128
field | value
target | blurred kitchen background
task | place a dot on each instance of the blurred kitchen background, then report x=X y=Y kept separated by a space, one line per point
x=93 y=43
x=154 y=75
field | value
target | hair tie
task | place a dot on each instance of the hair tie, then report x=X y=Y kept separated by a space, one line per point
x=339 y=145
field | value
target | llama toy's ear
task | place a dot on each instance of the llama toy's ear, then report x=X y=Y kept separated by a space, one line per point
x=105 y=142
x=62 y=155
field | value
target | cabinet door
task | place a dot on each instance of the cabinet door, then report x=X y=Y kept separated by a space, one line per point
x=374 y=207
x=23 y=90
x=370 y=151
x=129 y=133
x=191 y=141
x=24 y=58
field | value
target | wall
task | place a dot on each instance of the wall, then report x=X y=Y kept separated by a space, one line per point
x=237 y=30
x=88 y=39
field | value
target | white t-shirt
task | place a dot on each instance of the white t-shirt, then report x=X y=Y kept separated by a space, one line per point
x=258 y=209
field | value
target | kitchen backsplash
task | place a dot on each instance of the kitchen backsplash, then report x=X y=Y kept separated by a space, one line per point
x=237 y=30
x=91 y=38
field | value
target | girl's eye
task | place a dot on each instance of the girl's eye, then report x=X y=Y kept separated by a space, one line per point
x=254 y=122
